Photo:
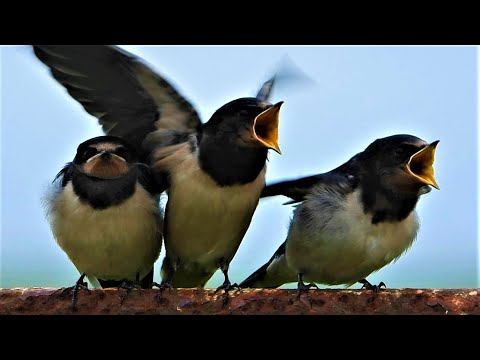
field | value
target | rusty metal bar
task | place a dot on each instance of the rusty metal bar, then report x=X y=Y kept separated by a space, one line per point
x=30 y=301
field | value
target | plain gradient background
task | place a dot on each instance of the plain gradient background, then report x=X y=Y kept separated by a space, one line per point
x=357 y=94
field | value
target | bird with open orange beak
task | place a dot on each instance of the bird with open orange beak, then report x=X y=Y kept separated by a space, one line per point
x=216 y=179
x=353 y=220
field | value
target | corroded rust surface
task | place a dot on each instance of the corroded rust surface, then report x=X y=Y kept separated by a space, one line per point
x=32 y=301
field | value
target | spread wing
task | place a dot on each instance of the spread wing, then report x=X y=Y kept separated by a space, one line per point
x=266 y=90
x=127 y=97
x=287 y=75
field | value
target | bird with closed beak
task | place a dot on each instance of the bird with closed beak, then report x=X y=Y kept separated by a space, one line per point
x=214 y=172
x=104 y=213
x=353 y=220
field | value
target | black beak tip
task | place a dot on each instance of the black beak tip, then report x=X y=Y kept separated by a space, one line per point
x=104 y=155
x=435 y=142
x=280 y=103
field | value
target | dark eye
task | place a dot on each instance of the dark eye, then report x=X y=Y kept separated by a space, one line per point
x=89 y=153
x=400 y=151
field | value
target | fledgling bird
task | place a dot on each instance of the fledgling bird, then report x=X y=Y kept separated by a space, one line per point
x=103 y=209
x=214 y=172
x=353 y=220
x=215 y=183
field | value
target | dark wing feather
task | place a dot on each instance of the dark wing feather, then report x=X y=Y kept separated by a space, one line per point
x=266 y=90
x=129 y=99
x=298 y=189
x=155 y=185
x=262 y=271
x=64 y=175
x=294 y=189
x=286 y=74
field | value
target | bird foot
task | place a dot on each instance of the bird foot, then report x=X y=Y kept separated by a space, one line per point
x=164 y=285
x=79 y=285
x=226 y=287
x=304 y=288
x=367 y=286
x=128 y=287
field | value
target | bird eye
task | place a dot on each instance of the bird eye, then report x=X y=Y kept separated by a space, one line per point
x=399 y=151
x=89 y=153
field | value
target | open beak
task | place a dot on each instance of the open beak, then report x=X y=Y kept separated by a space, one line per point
x=420 y=165
x=265 y=127
x=105 y=154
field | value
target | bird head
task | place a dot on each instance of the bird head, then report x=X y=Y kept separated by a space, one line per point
x=404 y=163
x=104 y=157
x=246 y=122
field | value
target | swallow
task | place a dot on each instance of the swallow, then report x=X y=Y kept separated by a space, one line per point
x=213 y=172
x=103 y=209
x=215 y=184
x=353 y=220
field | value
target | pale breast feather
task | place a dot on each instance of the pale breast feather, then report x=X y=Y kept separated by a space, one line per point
x=114 y=243
x=205 y=221
x=333 y=238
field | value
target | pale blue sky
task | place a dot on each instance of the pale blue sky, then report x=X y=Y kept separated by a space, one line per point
x=360 y=93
